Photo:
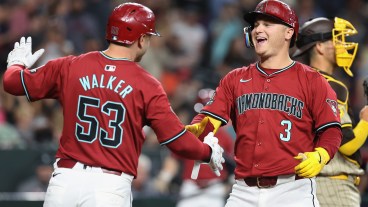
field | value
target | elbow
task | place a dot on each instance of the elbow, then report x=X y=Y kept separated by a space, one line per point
x=7 y=85
x=11 y=81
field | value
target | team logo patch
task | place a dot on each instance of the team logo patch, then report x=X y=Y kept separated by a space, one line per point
x=115 y=30
x=333 y=105
x=110 y=68
x=211 y=99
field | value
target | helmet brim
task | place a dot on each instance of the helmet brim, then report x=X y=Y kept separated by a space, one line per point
x=252 y=16
x=154 y=34
x=300 y=51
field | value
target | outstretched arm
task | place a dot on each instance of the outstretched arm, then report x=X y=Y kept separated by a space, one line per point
x=202 y=125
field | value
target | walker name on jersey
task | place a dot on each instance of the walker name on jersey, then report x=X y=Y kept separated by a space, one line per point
x=273 y=101
x=108 y=82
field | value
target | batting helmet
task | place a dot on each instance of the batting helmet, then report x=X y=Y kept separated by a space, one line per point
x=128 y=22
x=277 y=10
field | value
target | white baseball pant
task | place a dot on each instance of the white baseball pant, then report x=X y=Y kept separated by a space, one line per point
x=88 y=186
x=290 y=193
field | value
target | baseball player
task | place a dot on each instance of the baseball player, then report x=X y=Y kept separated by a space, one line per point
x=322 y=41
x=284 y=113
x=107 y=98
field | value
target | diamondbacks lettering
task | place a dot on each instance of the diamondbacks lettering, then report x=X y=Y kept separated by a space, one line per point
x=273 y=101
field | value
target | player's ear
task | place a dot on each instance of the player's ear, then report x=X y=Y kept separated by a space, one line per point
x=319 y=48
x=289 y=33
x=141 y=40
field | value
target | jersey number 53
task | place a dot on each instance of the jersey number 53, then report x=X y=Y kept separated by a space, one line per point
x=91 y=133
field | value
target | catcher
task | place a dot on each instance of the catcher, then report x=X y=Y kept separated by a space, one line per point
x=322 y=42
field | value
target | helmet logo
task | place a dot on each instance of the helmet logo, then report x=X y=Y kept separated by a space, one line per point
x=114 y=30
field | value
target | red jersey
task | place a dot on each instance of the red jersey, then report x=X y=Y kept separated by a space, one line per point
x=107 y=102
x=275 y=116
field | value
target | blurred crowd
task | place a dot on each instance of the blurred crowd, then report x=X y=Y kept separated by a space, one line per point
x=202 y=40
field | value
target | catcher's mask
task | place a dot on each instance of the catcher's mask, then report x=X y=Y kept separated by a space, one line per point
x=322 y=29
x=345 y=51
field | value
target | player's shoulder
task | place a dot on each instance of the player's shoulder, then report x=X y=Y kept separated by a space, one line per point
x=70 y=59
x=307 y=71
x=94 y=55
x=240 y=71
x=338 y=86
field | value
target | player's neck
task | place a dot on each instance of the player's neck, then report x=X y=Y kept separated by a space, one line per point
x=115 y=51
x=275 y=62
x=322 y=65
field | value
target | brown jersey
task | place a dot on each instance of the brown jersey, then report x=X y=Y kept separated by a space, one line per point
x=275 y=116
x=343 y=164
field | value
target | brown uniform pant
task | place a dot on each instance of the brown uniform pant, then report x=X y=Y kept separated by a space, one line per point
x=337 y=193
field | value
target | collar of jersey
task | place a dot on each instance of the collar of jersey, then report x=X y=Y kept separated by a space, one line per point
x=276 y=72
x=111 y=58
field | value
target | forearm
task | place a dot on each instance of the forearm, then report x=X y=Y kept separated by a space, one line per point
x=12 y=82
x=361 y=133
x=190 y=147
x=203 y=128
x=330 y=140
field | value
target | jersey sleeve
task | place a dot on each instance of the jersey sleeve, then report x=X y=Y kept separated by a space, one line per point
x=324 y=106
x=220 y=104
x=161 y=118
x=45 y=81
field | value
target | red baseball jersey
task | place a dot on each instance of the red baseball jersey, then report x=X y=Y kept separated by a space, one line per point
x=275 y=115
x=106 y=102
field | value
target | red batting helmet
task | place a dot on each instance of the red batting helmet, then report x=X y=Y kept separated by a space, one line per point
x=128 y=22
x=277 y=10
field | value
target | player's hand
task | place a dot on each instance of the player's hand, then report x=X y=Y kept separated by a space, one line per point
x=217 y=151
x=197 y=128
x=22 y=53
x=312 y=162
x=364 y=113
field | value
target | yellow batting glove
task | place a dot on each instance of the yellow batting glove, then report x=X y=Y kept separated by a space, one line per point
x=197 y=128
x=312 y=162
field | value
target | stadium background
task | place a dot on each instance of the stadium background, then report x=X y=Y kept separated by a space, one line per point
x=201 y=41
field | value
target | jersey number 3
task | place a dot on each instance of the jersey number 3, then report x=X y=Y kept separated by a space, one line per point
x=91 y=133
x=287 y=135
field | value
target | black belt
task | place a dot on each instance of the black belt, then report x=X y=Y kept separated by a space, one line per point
x=264 y=182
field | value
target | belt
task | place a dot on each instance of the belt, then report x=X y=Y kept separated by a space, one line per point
x=268 y=182
x=354 y=178
x=69 y=163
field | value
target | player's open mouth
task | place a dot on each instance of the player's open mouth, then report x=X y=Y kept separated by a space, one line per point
x=261 y=40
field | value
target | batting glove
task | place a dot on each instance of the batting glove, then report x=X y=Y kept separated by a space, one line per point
x=312 y=162
x=217 y=151
x=22 y=53
x=198 y=128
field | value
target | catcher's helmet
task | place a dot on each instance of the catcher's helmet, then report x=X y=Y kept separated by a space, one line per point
x=322 y=29
x=277 y=10
x=128 y=22
x=313 y=31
